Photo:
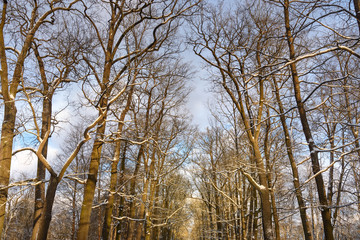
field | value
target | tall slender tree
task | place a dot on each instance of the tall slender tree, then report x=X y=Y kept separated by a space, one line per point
x=147 y=25
x=12 y=68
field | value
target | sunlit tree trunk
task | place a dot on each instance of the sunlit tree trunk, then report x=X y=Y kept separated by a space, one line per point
x=355 y=133
x=242 y=220
x=89 y=191
x=47 y=212
x=117 y=231
x=143 y=211
x=7 y=135
x=156 y=230
x=340 y=185
x=73 y=204
x=269 y=175
x=325 y=210
x=132 y=212
x=45 y=126
x=294 y=169
x=132 y=208
x=9 y=90
x=90 y=185
x=153 y=184
x=40 y=188
x=149 y=188
x=114 y=168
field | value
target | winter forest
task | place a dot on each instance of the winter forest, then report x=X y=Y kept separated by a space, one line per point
x=97 y=109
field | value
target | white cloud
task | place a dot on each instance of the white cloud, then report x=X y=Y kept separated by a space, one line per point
x=23 y=164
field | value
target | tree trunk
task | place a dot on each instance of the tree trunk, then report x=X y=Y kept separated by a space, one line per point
x=112 y=188
x=145 y=212
x=122 y=198
x=90 y=186
x=253 y=131
x=269 y=176
x=296 y=181
x=99 y=217
x=6 y=145
x=40 y=175
x=9 y=91
x=325 y=211
x=243 y=204
x=264 y=196
x=89 y=191
x=46 y=215
x=73 y=224
x=339 y=189
x=148 y=228
x=253 y=224
x=330 y=192
x=355 y=133
x=45 y=127
x=142 y=211
x=210 y=214
x=131 y=227
x=219 y=227
x=156 y=229
x=114 y=167
x=118 y=235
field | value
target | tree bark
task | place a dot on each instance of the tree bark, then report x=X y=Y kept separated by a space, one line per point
x=89 y=190
x=148 y=227
x=6 y=145
x=40 y=174
x=47 y=212
x=150 y=182
x=112 y=188
x=90 y=186
x=253 y=132
x=45 y=127
x=7 y=128
x=114 y=167
x=355 y=133
x=142 y=211
x=118 y=228
x=131 y=227
x=253 y=135
x=269 y=175
x=324 y=208
x=73 y=224
x=9 y=91
x=295 y=173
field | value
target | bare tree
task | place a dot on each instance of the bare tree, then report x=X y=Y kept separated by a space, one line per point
x=12 y=59
x=128 y=22
x=57 y=59
x=234 y=50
